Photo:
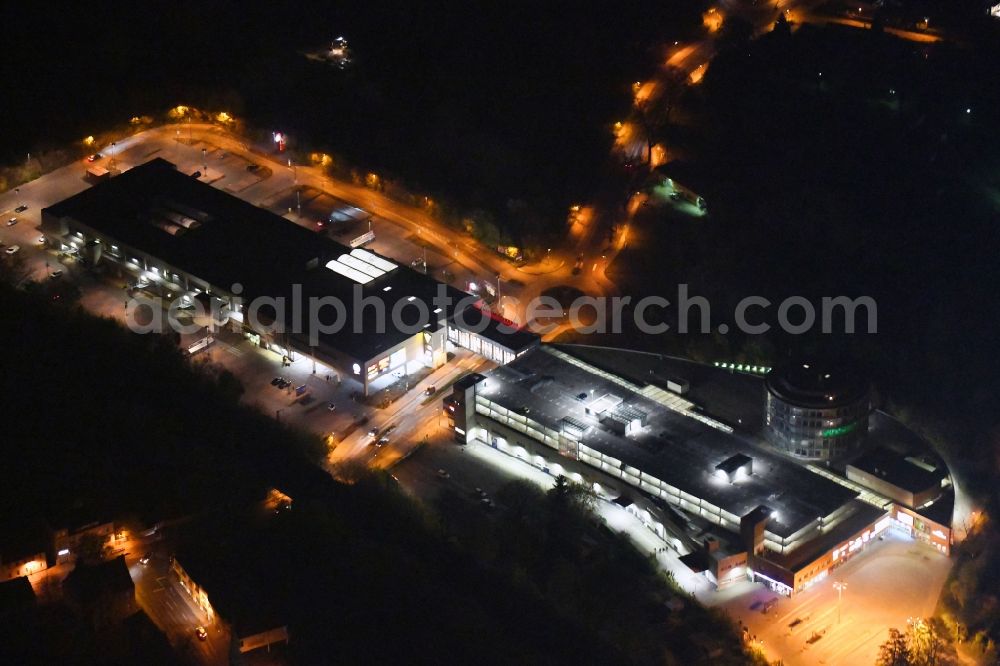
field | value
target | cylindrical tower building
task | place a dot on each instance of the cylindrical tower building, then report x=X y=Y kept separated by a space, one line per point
x=816 y=412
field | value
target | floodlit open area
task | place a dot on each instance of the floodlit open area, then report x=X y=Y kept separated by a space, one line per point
x=894 y=581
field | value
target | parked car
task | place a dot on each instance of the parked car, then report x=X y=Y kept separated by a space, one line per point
x=21 y=208
x=55 y=275
x=430 y=390
x=41 y=240
x=443 y=473
x=196 y=174
x=299 y=390
x=12 y=221
x=12 y=249
x=276 y=381
x=330 y=407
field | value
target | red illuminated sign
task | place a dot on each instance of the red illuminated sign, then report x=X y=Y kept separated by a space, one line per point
x=497 y=317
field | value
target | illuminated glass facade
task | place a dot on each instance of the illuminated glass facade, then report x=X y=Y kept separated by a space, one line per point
x=814 y=415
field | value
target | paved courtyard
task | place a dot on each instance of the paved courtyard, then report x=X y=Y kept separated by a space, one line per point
x=896 y=579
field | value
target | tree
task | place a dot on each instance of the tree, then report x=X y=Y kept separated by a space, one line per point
x=782 y=27
x=566 y=494
x=483 y=228
x=93 y=548
x=14 y=269
x=654 y=113
x=924 y=643
x=894 y=652
x=522 y=499
x=735 y=34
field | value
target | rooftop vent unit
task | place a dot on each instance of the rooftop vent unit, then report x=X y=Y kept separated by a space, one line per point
x=735 y=467
x=572 y=428
x=360 y=265
x=614 y=424
x=602 y=405
x=631 y=414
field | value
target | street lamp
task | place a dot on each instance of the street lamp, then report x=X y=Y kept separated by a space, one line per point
x=840 y=586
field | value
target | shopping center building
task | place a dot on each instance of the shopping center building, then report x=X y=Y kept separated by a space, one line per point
x=188 y=242
x=697 y=469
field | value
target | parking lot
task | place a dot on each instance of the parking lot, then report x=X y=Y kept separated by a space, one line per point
x=257 y=368
x=896 y=579
x=310 y=207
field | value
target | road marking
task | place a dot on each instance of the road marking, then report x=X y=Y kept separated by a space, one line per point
x=231 y=349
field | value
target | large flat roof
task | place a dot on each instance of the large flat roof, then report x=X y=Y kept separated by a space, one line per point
x=734 y=398
x=672 y=447
x=224 y=240
x=899 y=470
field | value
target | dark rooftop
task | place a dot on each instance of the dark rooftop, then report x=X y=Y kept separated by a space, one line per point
x=672 y=447
x=89 y=582
x=469 y=380
x=733 y=463
x=817 y=384
x=15 y=595
x=697 y=561
x=224 y=240
x=734 y=398
x=899 y=470
x=242 y=578
x=942 y=510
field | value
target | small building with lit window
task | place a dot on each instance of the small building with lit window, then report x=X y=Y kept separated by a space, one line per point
x=487 y=334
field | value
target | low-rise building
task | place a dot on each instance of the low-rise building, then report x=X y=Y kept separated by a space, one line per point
x=65 y=546
x=261 y=275
x=104 y=593
x=253 y=625
x=909 y=480
x=23 y=546
x=16 y=596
